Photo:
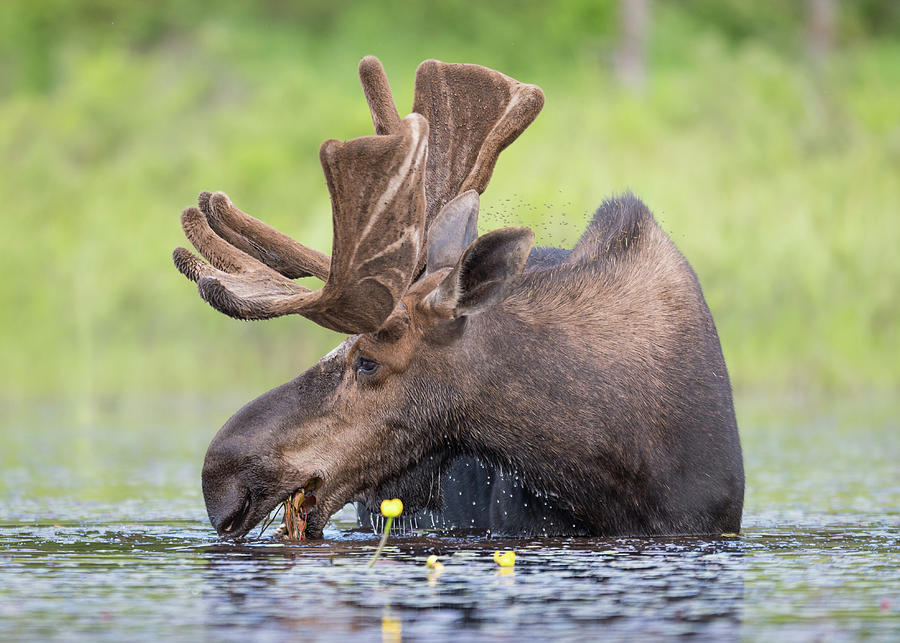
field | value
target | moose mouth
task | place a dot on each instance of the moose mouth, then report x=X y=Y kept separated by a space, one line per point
x=297 y=508
x=243 y=519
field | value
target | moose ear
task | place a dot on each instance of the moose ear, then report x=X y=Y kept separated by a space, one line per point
x=452 y=231
x=482 y=276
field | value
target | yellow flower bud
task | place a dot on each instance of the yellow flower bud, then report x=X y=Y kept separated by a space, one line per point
x=505 y=559
x=435 y=566
x=391 y=508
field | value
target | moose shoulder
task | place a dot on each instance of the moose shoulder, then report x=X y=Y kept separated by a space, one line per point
x=529 y=390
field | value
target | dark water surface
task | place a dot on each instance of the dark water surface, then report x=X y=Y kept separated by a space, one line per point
x=103 y=536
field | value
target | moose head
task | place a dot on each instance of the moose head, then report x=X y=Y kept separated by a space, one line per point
x=456 y=348
x=405 y=275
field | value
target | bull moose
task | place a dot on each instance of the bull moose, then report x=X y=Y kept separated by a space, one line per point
x=586 y=387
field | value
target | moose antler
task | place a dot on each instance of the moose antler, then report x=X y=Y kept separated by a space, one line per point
x=384 y=199
x=376 y=187
x=473 y=112
x=261 y=241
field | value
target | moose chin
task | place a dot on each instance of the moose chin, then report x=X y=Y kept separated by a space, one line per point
x=585 y=387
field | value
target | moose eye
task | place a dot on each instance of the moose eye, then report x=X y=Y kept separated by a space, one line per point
x=365 y=366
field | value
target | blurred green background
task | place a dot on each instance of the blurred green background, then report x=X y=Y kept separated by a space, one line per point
x=764 y=135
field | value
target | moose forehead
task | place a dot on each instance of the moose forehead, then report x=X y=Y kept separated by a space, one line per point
x=402 y=332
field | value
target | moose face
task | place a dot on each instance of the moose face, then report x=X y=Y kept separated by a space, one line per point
x=371 y=408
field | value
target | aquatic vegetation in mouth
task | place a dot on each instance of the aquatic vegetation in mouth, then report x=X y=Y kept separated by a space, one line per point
x=296 y=510
x=390 y=509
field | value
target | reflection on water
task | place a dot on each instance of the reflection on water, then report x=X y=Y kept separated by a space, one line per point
x=819 y=558
x=154 y=579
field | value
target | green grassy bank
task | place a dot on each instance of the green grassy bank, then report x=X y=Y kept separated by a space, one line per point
x=779 y=182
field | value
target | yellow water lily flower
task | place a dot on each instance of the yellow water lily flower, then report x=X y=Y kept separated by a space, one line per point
x=391 y=508
x=434 y=563
x=505 y=559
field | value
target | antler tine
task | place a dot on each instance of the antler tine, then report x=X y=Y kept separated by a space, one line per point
x=272 y=247
x=378 y=95
x=377 y=192
x=474 y=113
x=233 y=267
x=261 y=241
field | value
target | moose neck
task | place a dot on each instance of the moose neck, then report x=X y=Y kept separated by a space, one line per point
x=521 y=417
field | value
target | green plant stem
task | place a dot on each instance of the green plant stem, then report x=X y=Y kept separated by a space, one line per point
x=384 y=537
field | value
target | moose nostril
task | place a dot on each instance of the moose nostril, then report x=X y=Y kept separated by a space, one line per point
x=234 y=519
